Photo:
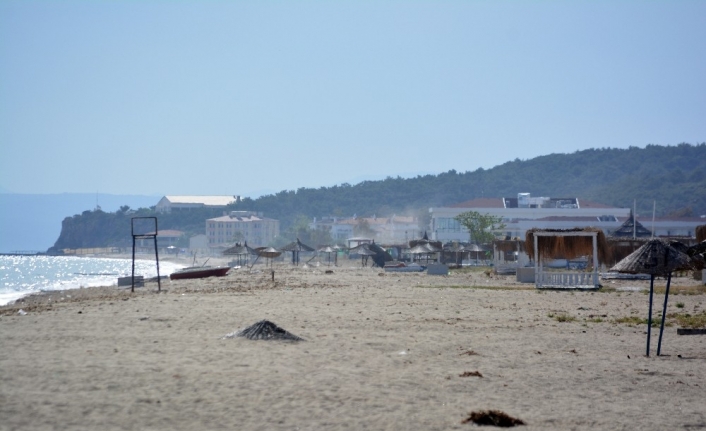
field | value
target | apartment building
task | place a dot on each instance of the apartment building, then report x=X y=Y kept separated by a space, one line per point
x=248 y=226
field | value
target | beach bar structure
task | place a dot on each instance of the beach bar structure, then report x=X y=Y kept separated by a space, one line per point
x=570 y=243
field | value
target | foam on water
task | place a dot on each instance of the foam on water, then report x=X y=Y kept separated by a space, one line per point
x=23 y=275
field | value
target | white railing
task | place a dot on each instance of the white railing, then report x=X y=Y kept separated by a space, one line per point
x=567 y=280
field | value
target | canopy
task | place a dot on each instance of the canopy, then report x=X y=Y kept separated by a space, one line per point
x=297 y=246
x=238 y=249
x=656 y=257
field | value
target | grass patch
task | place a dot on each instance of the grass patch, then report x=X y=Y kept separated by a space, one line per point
x=562 y=317
x=470 y=269
x=680 y=305
x=679 y=290
x=595 y=320
x=607 y=289
x=477 y=287
x=686 y=320
x=639 y=321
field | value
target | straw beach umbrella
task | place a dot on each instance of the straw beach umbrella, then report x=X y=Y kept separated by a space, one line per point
x=655 y=258
x=296 y=247
x=364 y=252
x=242 y=252
x=266 y=252
x=328 y=250
x=473 y=248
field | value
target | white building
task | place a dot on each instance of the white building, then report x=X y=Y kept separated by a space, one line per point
x=525 y=212
x=170 y=203
x=387 y=230
x=248 y=226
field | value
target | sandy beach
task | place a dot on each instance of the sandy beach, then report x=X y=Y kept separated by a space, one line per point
x=382 y=351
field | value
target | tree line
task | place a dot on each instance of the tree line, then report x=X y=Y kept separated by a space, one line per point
x=673 y=176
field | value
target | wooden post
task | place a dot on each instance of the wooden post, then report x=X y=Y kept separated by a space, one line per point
x=536 y=261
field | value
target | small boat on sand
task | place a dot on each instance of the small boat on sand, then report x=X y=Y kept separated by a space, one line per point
x=199 y=272
x=403 y=267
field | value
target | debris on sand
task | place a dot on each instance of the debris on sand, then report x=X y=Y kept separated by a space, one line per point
x=264 y=330
x=493 y=417
x=471 y=374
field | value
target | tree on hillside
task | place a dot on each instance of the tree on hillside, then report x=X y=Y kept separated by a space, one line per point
x=362 y=228
x=481 y=227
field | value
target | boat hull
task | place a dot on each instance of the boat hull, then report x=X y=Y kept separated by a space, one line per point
x=184 y=274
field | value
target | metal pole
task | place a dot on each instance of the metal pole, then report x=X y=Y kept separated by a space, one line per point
x=156 y=256
x=649 y=317
x=664 y=314
x=133 y=264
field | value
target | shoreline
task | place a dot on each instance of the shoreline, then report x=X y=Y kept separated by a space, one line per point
x=382 y=351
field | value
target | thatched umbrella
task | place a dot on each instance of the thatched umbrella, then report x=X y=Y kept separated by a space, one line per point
x=697 y=253
x=296 y=247
x=266 y=252
x=240 y=251
x=364 y=251
x=656 y=258
x=473 y=248
x=425 y=249
x=328 y=250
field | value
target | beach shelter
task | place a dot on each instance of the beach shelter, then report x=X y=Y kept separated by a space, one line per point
x=473 y=248
x=656 y=258
x=632 y=228
x=241 y=252
x=328 y=250
x=296 y=247
x=424 y=249
x=266 y=252
x=364 y=252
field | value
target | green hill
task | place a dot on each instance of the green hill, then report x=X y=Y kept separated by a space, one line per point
x=673 y=176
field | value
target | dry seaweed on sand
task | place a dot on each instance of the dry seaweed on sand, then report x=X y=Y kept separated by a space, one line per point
x=494 y=418
x=264 y=330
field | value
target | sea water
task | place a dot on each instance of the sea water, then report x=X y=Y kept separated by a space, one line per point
x=23 y=275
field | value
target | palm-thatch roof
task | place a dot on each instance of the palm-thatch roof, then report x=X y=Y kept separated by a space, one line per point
x=239 y=249
x=697 y=253
x=509 y=245
x=656 y=257
x=701 y=233
x=566 y=246
x=362 y=250
x=297 y=246
x=379 y=255
x=436 y=244
x=632 y=227
x=264 y=330
x=423 y=249
x=270 y=252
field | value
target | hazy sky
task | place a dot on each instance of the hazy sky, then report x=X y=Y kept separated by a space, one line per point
x=236 y=97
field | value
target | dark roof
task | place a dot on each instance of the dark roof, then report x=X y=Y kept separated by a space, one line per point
x=631 y=225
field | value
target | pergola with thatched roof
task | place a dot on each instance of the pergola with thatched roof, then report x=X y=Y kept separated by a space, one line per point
x=544 y=244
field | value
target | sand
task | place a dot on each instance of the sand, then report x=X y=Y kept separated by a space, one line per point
x=382 y=352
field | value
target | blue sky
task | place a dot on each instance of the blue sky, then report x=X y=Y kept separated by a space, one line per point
x=224 y=97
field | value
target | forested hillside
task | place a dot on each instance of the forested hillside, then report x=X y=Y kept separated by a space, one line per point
x=673 y=176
